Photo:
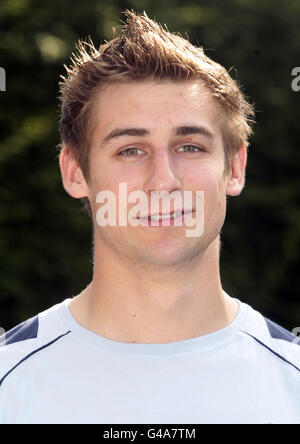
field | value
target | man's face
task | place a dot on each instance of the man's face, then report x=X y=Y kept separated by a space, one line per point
x=165 y=155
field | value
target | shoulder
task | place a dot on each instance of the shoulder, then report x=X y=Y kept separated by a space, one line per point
x=279 y=344
x=28 y=338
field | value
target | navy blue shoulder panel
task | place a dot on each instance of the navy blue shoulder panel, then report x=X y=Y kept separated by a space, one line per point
x=278 y=332
x=271 y=350
x=26 y=330
x=32 y=353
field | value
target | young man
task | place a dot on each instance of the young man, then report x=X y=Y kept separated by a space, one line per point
x=154 y=338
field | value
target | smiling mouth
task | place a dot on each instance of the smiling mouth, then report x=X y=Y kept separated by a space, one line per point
x=158 y=217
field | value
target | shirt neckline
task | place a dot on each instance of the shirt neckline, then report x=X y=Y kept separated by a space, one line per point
x=201 y=344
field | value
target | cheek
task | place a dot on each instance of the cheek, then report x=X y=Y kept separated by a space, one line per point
x=102 y=176
x=108 y=172
x=212 y=183
x=216 y=196
x=110 y=182
x=202 y=179
x=215 y=205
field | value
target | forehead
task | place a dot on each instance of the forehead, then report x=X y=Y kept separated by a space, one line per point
x=155 y=105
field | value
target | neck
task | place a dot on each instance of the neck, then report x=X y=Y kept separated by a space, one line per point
x=134 y=303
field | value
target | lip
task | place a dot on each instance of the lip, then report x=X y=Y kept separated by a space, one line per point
x=171 y=221
x=164 y=214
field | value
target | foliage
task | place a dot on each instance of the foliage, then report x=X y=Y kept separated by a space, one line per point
x=45 y=238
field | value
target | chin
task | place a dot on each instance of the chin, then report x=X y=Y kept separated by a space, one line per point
x=168 y=252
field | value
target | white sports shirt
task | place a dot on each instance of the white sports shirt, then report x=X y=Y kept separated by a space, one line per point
x=53 y=370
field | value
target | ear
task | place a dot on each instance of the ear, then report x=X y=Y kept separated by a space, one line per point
x=236 y=176
x=73 y=180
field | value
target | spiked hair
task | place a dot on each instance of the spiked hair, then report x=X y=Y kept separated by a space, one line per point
x=145 y=50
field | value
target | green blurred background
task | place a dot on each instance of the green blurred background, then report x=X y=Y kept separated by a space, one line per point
x=46 y=238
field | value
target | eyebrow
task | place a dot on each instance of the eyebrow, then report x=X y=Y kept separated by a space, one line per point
x=142 y=132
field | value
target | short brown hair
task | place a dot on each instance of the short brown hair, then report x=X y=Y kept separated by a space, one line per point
x=145 y=50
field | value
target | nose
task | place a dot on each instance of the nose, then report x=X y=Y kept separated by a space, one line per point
x=162 y=176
